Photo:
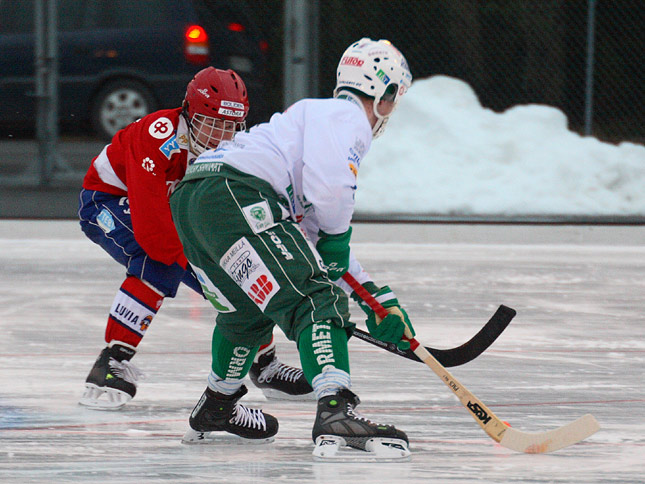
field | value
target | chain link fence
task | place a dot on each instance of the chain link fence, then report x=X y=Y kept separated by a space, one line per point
x=584 y=57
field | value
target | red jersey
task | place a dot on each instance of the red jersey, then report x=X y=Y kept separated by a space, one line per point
x=144 y=162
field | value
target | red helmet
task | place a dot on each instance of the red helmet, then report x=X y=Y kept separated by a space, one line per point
x=216 y=106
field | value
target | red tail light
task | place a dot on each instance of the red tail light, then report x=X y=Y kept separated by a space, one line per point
x=196 y=49
x=236 y=27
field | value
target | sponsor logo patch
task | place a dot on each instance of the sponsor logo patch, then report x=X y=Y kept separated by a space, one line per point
x=161 y=128
x=170 y=147
x=212 y=293
x=259 y=216
x=105 y=221
x=131 y=314
x=354 y=161
x=244 y=265
x=148 y=164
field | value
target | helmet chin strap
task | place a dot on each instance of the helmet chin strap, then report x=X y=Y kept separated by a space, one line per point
x=195 y=147
x=381 y=121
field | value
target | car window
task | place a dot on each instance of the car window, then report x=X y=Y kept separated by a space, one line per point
x=16 y=17
x=128 y=14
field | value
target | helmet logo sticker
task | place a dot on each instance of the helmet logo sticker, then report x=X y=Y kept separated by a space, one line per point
x=231 y=112
x=352 y=61
x=382 y=76
x=231 y=104
x=161 y=128
x=204 y=92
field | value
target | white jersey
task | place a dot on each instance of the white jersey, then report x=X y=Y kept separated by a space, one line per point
x=310 y=154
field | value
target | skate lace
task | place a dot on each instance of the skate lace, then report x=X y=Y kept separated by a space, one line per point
x=126 y=370
x=351 y=411
x=248 y=417
x=280 y=371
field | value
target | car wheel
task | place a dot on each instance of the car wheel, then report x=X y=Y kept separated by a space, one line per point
x=119 y=103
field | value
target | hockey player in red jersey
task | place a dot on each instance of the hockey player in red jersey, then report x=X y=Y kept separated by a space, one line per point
x=124 y=208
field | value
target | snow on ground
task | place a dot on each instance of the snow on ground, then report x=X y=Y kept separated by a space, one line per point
x=443 y=153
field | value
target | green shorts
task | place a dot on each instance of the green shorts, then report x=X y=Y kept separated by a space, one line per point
x=257 y=268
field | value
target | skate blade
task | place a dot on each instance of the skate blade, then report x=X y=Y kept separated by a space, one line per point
x=102 y=398
x=272 y=394
x=195 y=437
x=331 y=448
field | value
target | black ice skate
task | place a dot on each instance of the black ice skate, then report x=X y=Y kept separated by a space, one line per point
x=112 y=380
x=216 y=412
x=279 y=381
x=338 y=426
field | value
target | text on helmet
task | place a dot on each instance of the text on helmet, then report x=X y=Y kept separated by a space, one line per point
x=352 y=61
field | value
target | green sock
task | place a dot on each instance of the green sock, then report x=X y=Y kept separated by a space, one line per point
x=320 y=345
x=230 y=361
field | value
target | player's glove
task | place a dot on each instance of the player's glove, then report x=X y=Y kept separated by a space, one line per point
x=392 y=328
x=334 y=250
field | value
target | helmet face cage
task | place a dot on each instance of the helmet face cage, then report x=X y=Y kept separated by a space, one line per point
x=215 y=106
x=206 y=132
x=378 y=70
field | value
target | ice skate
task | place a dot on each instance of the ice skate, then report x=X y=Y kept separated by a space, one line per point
x=338 y=431
x=279 y=381
x=216 y=412
x=111 y=382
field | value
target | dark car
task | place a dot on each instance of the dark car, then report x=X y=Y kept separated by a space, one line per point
x=121 y=59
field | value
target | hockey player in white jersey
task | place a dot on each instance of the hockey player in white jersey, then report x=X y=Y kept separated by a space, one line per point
x=266 y=220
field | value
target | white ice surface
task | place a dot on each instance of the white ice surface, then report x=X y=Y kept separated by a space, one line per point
x=576 y=346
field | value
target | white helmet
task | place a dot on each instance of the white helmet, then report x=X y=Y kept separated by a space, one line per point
x=377 y=69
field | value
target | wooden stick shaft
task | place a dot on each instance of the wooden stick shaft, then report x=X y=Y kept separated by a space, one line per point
x=488 y=421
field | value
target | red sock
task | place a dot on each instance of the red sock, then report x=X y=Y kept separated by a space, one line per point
x=264 y=347
x=133 y=309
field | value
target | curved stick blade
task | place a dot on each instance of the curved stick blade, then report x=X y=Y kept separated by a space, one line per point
x=461 y=354
x=543 y=442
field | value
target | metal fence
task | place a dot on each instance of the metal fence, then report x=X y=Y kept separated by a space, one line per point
x=584 y=57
